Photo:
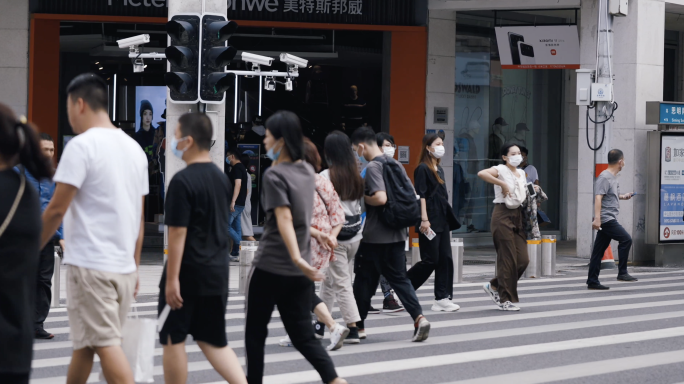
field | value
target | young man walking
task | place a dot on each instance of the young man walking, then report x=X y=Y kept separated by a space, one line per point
x=606 y=210
x=195 y=279
x=238 y=176
x=382 y=247
x=101 y=186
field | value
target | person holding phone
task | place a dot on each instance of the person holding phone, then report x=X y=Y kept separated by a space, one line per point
x=507 y=227
x=282 y=273
x=606 y=211
x=437 y=218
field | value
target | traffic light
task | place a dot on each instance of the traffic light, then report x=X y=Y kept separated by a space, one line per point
x=215 y=54
x=183 y=57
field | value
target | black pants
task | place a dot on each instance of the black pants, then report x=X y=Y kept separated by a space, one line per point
x=14 y=378
x=435 y=255
x=390 y=261
x=292 y=295
x=46 y=267
x=611 y=230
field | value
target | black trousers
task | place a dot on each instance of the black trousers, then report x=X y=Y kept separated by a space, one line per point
x=611 y=230
x=389 y=260
x=292 y=295
x=46 y=267
x=435 y=255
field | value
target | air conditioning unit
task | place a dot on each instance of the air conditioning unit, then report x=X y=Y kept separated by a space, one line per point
x=617 y=7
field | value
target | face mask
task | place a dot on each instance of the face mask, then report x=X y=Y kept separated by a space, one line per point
x=439 y=151
x=174 y=147
x=515 y=160
x=272 y=155
x=389 y=151
x=227 y=161
x=361 y=158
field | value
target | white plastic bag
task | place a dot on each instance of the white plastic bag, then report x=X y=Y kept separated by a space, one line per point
x=138 y=336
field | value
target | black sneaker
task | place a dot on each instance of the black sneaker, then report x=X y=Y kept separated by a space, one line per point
x=373 y=311
x=598 y=287
x=353 y=336
x=627 y=277
x=43 y=334
x=319 y=328
x=390 y=305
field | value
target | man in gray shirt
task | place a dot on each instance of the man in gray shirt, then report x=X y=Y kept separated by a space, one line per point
x=382 y=247
x=606 y=210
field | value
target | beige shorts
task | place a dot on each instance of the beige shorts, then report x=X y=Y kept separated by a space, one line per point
x=97 y=303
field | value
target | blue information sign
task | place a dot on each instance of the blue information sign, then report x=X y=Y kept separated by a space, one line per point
x=671 y=113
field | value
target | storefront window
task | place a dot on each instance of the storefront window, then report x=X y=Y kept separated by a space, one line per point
x=494 y=106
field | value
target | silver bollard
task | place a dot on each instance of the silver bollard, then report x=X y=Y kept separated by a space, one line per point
x=457 y=256
x=415 y=252
x=247 y=251
x=56 y=280
x=534 y=253
x=548 y=255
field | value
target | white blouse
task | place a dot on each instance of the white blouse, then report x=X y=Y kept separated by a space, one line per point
x=508 y=177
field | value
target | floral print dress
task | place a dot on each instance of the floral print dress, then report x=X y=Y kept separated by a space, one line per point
x=327 y=214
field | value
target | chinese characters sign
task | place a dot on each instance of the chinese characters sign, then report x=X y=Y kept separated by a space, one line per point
x=672 y=188
x=351 y=7
x=671 y=113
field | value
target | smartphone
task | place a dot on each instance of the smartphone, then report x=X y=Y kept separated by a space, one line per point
x=430 y=234
x=530 y=190
x=513 y=39
x=526 y=53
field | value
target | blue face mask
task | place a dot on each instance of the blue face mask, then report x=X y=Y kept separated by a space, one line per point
x=272 y=155
x=227 y=161
x=361 y=158
x=174 y=147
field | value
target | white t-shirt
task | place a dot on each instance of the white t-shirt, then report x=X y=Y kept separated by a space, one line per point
x=531 y=173
x=351 y=208
x=102 y=223
x=508 y=177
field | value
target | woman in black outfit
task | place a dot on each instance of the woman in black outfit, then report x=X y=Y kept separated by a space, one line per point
x=281 y=272
x=20 y=229
x=437 y=219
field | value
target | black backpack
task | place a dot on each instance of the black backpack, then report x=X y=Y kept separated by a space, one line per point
x=402 y=209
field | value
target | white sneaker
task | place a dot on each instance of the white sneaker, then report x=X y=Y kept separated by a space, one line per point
x=508 y=306
x=492 y=293
x=337 y=336
x=286 y=342
x=445 y=305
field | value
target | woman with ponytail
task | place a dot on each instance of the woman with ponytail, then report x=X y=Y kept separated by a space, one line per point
x=20 y=229
x=437 y=220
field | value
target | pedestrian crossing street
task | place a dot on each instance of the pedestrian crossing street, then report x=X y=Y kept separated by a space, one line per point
x=633 y=333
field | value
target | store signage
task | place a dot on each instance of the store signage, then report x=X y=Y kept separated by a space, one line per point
x=672 y=188
x=543 y=47
x=671 y=113
x=395 y=12
x=441 y=115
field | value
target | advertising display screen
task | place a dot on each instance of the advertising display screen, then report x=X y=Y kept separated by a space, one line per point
x=150 y=103
x=541 y=47
x=671 y=188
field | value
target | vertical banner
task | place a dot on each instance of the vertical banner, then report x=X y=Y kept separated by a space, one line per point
x=671 y=188
x=543 y=47
x=253 y=151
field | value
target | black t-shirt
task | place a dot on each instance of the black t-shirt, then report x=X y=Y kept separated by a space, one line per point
x=239 y=172
x=199 y=198
x=146 y=141
x=435 y=195
x=19 y=254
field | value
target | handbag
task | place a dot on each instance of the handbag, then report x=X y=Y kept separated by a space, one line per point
x=138 y=338
x=352 y=224
x=15 y=205
x=518 y=195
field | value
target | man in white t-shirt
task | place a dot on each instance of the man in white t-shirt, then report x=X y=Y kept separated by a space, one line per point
x=101 y=186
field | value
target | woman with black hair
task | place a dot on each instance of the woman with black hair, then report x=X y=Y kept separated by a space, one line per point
x=20 y=232
x=437 y=220
x=145 y=133
x=281 y=273
x=508 y=230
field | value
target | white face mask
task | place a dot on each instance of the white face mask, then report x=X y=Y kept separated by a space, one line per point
x=389 y=151
x=515 y=160
x=439 y=151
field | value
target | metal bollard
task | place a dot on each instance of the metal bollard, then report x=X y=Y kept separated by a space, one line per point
x=534 y=253
x=415 y=252
x=247 y=250
x=548 y=255
x=457 y=256
x=56 y=281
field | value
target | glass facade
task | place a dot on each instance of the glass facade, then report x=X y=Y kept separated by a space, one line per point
x=494 y=106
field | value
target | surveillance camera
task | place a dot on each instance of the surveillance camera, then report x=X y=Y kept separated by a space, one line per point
x=270 y=84
x=134 y=41
x=288 y=85
x=293 y=60
x=257 y=59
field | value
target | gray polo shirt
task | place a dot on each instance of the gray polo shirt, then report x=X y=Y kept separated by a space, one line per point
x=375 y=230
x=607 y=185
x=286 y=185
